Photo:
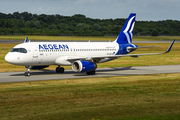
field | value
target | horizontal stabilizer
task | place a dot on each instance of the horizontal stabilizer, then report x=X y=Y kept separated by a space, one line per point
x=168 y=50
x=131 y=48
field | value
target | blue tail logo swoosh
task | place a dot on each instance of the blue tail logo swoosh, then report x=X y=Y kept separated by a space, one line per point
x=129 y=30
x=126 y=34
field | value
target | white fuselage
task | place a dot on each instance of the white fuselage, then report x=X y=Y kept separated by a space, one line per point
x=56 y=53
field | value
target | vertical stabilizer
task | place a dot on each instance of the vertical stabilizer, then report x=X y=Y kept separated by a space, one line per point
x=126 y=34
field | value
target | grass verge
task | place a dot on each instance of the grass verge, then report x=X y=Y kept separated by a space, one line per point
x=143 y=97
x=74 y=38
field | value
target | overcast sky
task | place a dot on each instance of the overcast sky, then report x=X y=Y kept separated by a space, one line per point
x=102 y=9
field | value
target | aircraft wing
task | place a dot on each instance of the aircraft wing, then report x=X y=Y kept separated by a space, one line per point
x=73 y=58
x=117 y=56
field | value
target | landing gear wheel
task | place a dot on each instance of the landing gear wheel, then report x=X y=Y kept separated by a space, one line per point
x=93 y=72
x=27 y=74
x=59 y=70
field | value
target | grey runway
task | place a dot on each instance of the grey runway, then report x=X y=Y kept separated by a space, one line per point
x=100 y=72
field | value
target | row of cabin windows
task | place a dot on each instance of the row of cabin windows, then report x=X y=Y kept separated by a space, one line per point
x=94 y=49
x=77 y=50
x=63 y=50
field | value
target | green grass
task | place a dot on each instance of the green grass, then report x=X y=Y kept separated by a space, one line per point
x=87 y=38
x=144 y=97
x=147 y=97
x=156 y=38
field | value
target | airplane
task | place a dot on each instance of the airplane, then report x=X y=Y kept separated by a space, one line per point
x=82 y=56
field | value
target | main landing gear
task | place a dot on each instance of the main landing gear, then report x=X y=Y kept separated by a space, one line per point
x=93 y=72
x=27 y=73
x=59 y=69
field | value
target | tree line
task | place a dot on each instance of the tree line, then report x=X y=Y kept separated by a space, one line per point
x=79 y=25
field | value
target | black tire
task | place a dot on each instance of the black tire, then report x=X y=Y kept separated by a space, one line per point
x=88 y=73
x=59 y=70
x=27 y=74
x=93 y=72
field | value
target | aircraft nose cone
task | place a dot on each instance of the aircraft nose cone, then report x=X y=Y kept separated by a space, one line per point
x=8 y=58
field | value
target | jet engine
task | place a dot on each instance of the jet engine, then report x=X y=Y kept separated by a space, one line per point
x=83 y=66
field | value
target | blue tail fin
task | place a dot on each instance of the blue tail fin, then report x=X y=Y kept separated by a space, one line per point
x=126 y=34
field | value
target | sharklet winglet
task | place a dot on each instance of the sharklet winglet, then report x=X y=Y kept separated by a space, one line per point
x=26 y=40
x=169 y=49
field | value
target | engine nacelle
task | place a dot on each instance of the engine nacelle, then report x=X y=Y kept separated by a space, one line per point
x=83 y=66
x=37 y=67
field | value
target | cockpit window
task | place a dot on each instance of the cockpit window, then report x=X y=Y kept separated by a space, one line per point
x=21 y=50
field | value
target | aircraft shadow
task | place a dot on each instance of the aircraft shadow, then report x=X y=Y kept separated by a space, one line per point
x=106 y=70
x=115 y=69
x=52 y=72
x=43 y=72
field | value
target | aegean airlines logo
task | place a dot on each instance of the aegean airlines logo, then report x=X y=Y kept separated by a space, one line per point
x=53 y=46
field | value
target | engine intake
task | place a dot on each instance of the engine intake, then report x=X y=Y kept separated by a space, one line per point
x=83 y=66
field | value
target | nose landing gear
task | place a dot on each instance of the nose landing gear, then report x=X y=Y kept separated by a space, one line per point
x=27 y=73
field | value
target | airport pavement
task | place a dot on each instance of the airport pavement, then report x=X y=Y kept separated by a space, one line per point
x=100 y=72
